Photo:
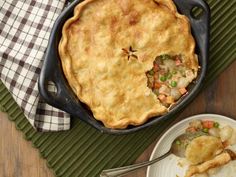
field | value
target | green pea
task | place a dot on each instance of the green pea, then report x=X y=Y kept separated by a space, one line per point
x=151 y=72
x=178 y=142
x=205 y=130
x=216 y=124
x=163 y=78
x=173 y=83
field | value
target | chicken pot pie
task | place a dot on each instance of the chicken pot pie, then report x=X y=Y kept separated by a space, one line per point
x=128 y=60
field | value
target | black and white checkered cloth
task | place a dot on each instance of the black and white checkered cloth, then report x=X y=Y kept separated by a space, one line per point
x=25 y=27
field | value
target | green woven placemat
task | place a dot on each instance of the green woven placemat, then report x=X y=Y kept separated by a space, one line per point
x=83 y=151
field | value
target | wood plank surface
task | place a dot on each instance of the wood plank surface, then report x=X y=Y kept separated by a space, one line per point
x=17 y=156
x=19 y=159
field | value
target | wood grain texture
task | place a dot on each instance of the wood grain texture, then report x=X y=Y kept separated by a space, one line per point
x=19 y=159
x=17 y=156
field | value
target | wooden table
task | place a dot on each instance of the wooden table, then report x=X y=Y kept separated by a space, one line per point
x=19 y=159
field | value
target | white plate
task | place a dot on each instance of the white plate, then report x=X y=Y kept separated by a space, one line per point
x=169 y=167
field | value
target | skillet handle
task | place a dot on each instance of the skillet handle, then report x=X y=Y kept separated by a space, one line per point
x=200 y=26
x=60 y=99
x=64 y=97
x=52 y=71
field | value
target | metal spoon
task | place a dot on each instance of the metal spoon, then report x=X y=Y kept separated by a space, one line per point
x=177 y=148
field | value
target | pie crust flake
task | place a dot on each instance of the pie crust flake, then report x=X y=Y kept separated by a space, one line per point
x=107 y=48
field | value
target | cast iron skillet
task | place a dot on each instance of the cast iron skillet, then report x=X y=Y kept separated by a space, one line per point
x=65 y=99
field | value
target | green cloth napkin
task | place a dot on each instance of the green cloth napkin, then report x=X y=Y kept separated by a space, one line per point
x=84 y=151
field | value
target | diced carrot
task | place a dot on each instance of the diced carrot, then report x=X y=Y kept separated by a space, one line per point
x=177 y=62
x=207 y=124
x=210 y=124
x=156 y=77
x=182 y=90
x=155 y=68
x=162 y=97
x=157 y=85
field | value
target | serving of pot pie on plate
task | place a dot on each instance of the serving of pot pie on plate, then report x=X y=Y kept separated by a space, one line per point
x=128 y=60
x=211 y=152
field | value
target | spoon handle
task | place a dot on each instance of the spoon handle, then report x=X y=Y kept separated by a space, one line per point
x=120 y=171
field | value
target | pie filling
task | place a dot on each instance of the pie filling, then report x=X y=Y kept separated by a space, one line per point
x=169 y=78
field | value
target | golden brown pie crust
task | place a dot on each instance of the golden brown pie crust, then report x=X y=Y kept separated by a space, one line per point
x=99 y=71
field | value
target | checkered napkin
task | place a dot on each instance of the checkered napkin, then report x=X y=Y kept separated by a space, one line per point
x=25 y=27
